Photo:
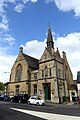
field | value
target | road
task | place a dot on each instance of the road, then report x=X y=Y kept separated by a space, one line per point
x=15 y=111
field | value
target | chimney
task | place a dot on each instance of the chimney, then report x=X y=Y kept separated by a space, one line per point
x=63 y=54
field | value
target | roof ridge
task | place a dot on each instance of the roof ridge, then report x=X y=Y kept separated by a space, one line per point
x=30 y=56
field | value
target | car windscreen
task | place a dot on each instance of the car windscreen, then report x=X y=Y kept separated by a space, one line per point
x=39 y=98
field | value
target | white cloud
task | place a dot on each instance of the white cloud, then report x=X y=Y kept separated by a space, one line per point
x=11 y=1
x=69 y=42
x=3 y=27
x=34 y=1
x=34 y=48
x=26 y=1
x=6 y=39
x=19 y=8
x=9 y=39
x=4 y=19
x=68 y=5
x=6 y=63
x=48 y=1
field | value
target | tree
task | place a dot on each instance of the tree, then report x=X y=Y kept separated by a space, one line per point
x=1 y=86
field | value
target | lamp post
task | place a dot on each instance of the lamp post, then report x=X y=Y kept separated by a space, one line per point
x=6 y=85
x=6 y=72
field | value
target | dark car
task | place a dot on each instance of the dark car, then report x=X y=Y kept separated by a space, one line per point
x=78 y=100
x=20 y=98
x=4 y=98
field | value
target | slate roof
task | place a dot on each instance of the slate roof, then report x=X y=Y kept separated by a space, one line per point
x=32 y=62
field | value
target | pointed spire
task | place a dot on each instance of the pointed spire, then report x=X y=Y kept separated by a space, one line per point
x=49 y=25
x=50 y=42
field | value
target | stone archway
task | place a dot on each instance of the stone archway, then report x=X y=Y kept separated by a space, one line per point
x=47 y=91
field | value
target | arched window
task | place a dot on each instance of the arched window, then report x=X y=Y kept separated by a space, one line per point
x=19 y=73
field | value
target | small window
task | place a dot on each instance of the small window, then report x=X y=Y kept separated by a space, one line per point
x=46 y=71
x=50 y=72
x=66 y=67
x=35 y=89
x=59 y=73
x=42 y=74
x=35 y=76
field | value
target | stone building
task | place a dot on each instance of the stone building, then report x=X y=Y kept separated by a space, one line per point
x=78 y=82
x=49 y=77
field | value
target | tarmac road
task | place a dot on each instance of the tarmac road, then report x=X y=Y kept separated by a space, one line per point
x=15 y=111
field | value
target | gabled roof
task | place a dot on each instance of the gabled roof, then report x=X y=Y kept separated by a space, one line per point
x=32 y=62
x=49 y=50
x=57 y=54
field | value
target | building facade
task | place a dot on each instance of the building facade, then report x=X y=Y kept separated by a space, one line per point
x=78 y=82
x=49 y=77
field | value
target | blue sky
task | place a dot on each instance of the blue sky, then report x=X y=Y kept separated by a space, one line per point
x=25 y=23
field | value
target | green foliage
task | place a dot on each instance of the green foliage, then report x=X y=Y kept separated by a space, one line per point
x=1 y=86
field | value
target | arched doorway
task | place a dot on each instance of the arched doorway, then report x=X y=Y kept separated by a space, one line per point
x=47 y=91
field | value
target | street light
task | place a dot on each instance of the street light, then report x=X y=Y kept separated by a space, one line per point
x=6 y=72
x=6 y=85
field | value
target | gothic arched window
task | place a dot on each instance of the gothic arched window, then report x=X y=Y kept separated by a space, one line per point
x=19 y=73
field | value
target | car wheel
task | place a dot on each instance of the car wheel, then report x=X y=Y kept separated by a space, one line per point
x=28 y=102
x=11 y=100
x=4 y=100
x=19 y=101
x=37 y=103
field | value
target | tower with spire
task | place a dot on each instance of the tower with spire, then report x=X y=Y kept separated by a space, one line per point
x=50 y=42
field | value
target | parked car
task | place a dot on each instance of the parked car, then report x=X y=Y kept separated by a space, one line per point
x=4 y=98
x=20 y=98
x=36 y=100
x=78 y=100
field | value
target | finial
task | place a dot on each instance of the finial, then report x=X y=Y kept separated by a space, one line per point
x=21 y=49
x=57 y=48
x=49 y=24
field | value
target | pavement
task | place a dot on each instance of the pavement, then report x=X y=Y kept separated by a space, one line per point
x=66 y=104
